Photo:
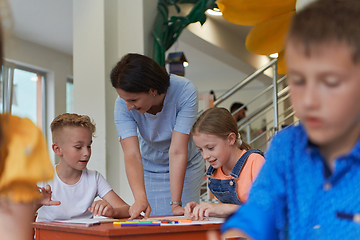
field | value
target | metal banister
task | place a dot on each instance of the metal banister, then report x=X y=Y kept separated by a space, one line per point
x=259 y=95
x=244 y=82
x=263 y=107
x=280 y=100
x=275 y=99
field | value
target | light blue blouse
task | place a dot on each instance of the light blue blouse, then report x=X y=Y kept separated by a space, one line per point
x=155 y=131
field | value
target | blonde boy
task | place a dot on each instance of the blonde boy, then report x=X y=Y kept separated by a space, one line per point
x=309 y=186
x=74 y=188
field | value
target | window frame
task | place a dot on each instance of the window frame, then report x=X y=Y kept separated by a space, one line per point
x=10 y=66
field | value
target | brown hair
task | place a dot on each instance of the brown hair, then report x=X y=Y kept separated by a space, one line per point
x=138 y=73
x=218 y=122
x=327 y=21
x=70 y=120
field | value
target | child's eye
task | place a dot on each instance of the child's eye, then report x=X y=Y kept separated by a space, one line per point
x=210 y=148
x=296 y=81
x=332 y=81
x=77 y=147
x=89 y=146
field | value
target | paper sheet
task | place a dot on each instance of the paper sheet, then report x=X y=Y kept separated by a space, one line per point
x=207 y=220
x=97 y=220
x=86 y=221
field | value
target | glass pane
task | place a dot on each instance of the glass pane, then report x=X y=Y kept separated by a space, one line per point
x=5 y=90
x=24 y=94
x=69 y=96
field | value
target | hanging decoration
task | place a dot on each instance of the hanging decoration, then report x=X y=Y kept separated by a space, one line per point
x=177 y=63
x=271 y=20
x=167 y=30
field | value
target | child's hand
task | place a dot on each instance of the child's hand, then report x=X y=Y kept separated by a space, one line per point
x=205 y=210
x=189 y=208
x=102 y=208
x=46 y=196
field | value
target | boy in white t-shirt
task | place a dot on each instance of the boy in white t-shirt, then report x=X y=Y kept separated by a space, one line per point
x=74 y=188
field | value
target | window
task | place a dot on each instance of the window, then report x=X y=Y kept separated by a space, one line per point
x=69 y=95
x=25 y=88
x=6 y=86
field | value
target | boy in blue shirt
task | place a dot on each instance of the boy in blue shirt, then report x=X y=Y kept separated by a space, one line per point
x=309 y=186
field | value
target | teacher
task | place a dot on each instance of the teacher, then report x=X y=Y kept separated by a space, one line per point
x=154 y=113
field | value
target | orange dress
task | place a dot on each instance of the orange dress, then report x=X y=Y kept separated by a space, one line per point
x=24 y=159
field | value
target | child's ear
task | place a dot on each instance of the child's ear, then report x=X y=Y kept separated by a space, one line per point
x=231 y=138
x=57 y=150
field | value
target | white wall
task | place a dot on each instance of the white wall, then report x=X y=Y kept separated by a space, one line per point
x=104 y=31
x=89 y=73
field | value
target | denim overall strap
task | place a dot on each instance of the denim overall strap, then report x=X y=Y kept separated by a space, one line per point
x=225 y=189
x=210 y=171
x=240 y=163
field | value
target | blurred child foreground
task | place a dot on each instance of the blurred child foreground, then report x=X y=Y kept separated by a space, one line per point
x=233 y=164
x=24 y=161
x=310 y=184
x=71 y=193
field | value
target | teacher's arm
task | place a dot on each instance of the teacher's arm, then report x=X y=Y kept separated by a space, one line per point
x=135 y=176
x=178 y=153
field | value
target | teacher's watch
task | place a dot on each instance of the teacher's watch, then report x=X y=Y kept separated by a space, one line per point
x=179 y=202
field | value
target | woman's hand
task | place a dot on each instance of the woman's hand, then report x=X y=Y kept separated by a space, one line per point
x=138 y=207
x=102 y=208
x=177 y=210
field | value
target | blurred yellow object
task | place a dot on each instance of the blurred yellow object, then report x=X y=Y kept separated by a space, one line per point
x=24 y=159
x=271 y=20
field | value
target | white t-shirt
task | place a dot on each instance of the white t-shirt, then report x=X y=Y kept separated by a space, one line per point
x=75 y=199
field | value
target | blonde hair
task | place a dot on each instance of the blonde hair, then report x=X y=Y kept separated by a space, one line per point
x=70 y=120
x=218 y=122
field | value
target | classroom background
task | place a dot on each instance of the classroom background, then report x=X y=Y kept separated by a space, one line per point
x=61 y=52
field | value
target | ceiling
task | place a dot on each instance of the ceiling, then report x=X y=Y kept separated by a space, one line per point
x=49 y=23
x=45 y=22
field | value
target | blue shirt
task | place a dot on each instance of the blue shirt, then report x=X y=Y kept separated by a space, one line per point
x=155 y=131
x=296 y=196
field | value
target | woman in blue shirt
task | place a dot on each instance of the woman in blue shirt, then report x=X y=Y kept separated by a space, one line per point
x=153 y=116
